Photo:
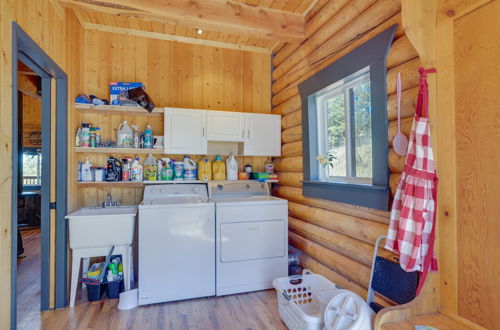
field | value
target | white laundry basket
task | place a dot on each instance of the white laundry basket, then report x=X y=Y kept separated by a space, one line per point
x=298 y=302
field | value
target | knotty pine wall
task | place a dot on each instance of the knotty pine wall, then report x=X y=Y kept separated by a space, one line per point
x=175 y=75
x=58 y=33
x=338 y=238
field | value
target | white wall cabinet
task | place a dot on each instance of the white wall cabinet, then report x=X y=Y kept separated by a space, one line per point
x=189 y=131
x=185 y=131
x=263 y=135
x=225 y=126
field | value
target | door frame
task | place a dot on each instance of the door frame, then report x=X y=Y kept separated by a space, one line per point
x=26 y=50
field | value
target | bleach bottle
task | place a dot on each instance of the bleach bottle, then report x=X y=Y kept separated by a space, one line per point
x=189 y=169
x=232 y=168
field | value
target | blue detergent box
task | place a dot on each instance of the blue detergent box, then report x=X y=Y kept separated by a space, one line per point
x=116 y=87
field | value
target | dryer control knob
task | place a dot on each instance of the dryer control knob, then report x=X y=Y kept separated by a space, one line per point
x=220 y=187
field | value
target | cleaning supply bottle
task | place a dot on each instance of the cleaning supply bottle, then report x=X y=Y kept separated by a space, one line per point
x=189 y=169
x=92 y=138
x=150 y=168
x=148 y=137
x=136 y=136
x=232 y=168
x=136 y=171
x=166 y=172
x=87 y=171
x=218 y=169
x=204 y=170
x=124 y=136
x=97 y=136
x=85 y=141
x=78 y=138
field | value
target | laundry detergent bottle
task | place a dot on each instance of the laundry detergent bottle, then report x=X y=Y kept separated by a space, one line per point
x=232 y=168
x=189 y=169
x=204 y=170
x=136 y=171
x=150 y=168
x=219 y=169
x=124 y=136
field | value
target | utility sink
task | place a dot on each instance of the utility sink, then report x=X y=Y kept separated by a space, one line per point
x=91 y=227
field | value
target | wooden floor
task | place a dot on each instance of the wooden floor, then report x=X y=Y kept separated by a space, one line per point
x=28 y=281
x=245 y=311
x=256 y=310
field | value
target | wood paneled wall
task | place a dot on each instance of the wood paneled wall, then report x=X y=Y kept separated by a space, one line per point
x=338 y=238
x=56 y=31
x=32 y=119
x=175 y=75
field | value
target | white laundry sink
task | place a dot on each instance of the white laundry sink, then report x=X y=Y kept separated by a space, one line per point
x=91 y=227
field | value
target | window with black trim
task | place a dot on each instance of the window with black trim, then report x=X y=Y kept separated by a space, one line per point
x=344 y=127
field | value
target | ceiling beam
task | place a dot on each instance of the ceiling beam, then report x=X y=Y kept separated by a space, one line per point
x=214 y=15
x=170 y=37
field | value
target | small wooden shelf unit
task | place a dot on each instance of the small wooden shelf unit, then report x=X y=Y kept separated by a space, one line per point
x=117 y=109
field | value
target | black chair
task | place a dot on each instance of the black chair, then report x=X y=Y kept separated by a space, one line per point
x=390 y=280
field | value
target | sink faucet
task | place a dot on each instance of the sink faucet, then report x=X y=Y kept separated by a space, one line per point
x=109 y=202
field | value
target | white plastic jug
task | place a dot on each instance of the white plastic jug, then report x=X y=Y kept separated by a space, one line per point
x=347 y=310
x=124 y=136
x=189 y=169
x=232 y=168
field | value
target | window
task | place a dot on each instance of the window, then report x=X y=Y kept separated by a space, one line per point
x=32 y=168
x=344 y=130
x=344 y=127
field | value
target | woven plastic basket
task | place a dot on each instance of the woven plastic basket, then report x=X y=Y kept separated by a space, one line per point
x=298 y=302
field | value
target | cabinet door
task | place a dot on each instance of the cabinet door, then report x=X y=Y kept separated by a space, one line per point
x=263 y=135
x=185 y=131
x=225 y=126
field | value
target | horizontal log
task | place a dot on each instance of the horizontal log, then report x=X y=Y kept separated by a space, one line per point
x=359 y=251
x=405 y=128
x=410 y=77
x=340 y=264
x=396 y=162
x=317 y=21
x=290 y=105
x=291 y=179
x=393 y=182
x=408 y=104
x=342 y=19
x=288 y=164
x=284 y=95
x=401 y=51
x=291 y=149
x=339 y=280
x=348 y=42
x=292 y=134
x=357 y=228
x=295 y=195
x=291 y=120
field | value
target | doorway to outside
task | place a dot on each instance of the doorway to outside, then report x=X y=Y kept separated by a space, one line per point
x=39 y=151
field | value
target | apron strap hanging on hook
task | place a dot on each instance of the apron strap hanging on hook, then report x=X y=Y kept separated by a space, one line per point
x=423 y=95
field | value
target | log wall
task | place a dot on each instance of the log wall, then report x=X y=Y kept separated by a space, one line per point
x=337 y=238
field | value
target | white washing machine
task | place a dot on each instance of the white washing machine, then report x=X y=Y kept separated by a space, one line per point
x=176 y=243
x=251 y=236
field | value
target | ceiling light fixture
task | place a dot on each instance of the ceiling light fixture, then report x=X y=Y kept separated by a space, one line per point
x=199 y=31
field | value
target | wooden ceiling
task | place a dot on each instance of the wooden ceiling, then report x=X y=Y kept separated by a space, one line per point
x=252 y=25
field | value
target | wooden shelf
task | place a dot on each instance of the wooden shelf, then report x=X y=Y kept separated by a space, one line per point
x=117 y=109
x=134 y=151
x=130 y=184
x=115 y=184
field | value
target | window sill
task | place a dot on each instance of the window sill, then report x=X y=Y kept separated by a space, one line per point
x=372 y=196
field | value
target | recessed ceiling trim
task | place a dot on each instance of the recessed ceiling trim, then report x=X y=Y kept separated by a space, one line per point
x=170 y=37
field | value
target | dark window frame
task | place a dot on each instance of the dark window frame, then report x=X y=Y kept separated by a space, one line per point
x=372 y=54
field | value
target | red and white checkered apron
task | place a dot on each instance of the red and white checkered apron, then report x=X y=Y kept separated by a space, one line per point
x=412 y=227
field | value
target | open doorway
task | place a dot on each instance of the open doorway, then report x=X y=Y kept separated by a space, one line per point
x=39 y=185
x=29 y=180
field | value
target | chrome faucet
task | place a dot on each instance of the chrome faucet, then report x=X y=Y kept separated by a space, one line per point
x=109 y=202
